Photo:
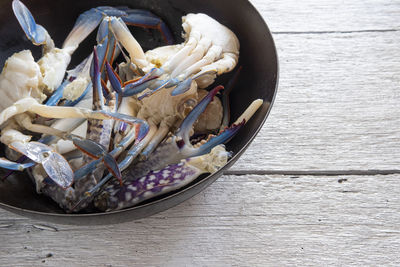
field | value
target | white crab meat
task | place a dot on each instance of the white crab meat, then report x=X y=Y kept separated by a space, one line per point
x=75 y=89
x=53 y=65
x=158 y=56
x=20 y=78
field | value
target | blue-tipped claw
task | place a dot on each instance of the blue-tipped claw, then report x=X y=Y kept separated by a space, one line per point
x=96 y=79
x=191 y=118
x=34 y=32
x=122 y=117
x=98 y=152
x=131 y=88
x=183 y=141
x=114 y=79
x=142 y=131
x=91 y=18
x=223 y=137
x=112 y=166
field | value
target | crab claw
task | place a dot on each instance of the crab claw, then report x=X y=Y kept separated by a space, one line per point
x=98 y=152
x=34 y=32
x=96 y=79
x=191 y=118
x=183 y=134
x=56 y=167
x=131 y=88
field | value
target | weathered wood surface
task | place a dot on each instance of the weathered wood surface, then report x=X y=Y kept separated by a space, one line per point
x=241 y=221
x=327 y=16
x=336 y=111
x=337 y=106
x=339 y=87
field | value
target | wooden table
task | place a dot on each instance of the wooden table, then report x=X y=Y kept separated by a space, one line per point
x=319 y=185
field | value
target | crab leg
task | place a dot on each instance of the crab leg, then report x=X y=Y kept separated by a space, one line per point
x=56 y=167
x=159 y=182
x=124 y=36
x=185 y=85
x=100 y=131
x=161 y=133
x=11 y=165
x=133 y=152
x=124 y=143
x=54 y=61
x=57 y=112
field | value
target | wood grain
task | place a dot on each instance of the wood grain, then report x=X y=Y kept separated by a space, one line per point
x=327 y=16
x=337 y=106
x=239 y=221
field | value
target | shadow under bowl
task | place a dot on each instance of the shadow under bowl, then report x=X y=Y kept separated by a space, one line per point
x=258 y=79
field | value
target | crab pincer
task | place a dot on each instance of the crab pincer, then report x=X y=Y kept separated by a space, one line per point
x=36 y=33
x=132 y=87
x=53 y=163
x=97 y=151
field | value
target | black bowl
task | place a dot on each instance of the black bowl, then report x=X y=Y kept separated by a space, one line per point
x=258 y=79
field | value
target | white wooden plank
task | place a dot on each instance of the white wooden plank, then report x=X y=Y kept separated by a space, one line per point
x=328 y=16
x=337 y=106
x=238 y=221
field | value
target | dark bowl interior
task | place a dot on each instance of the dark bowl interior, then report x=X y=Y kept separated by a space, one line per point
x=258 y=79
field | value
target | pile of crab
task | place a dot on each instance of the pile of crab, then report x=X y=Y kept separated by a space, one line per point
x=123 y=126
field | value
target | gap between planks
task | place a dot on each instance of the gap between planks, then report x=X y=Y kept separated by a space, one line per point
x=335 y=32
x=313 y=172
